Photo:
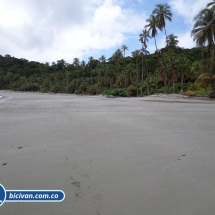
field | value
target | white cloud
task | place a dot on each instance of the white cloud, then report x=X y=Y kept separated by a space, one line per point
x=49 y=30
x=185 y=40
x=187 y=8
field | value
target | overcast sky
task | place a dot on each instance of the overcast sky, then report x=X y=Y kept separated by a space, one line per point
x=50 y=30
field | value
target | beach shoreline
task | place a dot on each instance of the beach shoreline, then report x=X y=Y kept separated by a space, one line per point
x=161 y=95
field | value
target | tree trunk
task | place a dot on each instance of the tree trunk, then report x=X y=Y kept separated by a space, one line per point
x=147 y=74
x=91 y=74
x=173 y=80
x=142 y=74
x=156 y=84
x=182 y=82
x=148 y=91
x=165 y=83
x=168 y=85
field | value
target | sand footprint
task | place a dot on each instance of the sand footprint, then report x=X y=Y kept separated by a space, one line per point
x=77 y=184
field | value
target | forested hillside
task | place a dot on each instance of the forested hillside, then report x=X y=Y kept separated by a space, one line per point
x=118 y=75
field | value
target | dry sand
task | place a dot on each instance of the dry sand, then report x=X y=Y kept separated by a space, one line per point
x=111 y=156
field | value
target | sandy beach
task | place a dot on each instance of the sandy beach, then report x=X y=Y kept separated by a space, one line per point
x=111 y=156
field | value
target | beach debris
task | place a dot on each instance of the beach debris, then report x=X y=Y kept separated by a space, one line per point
x=20 y=147
x=77 y=184
x=4 y=164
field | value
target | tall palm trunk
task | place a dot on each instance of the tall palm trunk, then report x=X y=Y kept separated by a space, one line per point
x=182 y=82
x=124 y=58
x=158 y=56
x=164 y=83
x=156 y=83
x=212 y=55
x=173 y=79
x=91 y=75
x=170 y=62
x=142 y=74
x=147 y=73
x=155 y=44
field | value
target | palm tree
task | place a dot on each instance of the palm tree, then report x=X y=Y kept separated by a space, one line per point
x=102 y=61
x=153 y=27
x=144 y=39
x=76 y=63
x=83 y=65
x=207 y=79
x=136 y=55
x=195 y=70
x=116 y=57
x=212 y=5
x=131 y=74
x=124 y=48
x=172 y=42
x=90 y=62
x=183 y=65
x=204 y=29
x=109 y=75
x=162 y=13
x=204 y=32
x=165 y=71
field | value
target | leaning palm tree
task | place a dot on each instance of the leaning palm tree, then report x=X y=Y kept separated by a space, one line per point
x=162 y=13
x=144 y=38
x=207 y=79
x=204 y=29
x=204 y=33
x=153 y=28
x=211 y=5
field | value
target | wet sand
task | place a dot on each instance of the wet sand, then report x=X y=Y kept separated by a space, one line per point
x=111 y=156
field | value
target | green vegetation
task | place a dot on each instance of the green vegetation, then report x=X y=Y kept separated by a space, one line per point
x=172 y=69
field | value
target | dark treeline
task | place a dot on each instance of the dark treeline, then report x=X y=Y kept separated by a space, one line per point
x=171 y=69
x=118 y=75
